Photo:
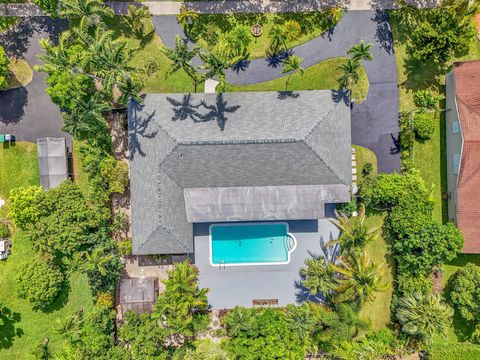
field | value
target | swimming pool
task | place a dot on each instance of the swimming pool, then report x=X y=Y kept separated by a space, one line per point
x=251 y=244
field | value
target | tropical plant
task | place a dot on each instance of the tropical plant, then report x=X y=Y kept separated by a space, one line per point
x=49 y=7
x=4 y=72
x=292 y=65
x=360 y=278
x=464 y=292
x=355 y=234
x=186 y=18
x=424 y=315
x=237 y=320
x=205 y=350
x=39 y=281
x=135 y=17
x=300 y=319
x=318 y=276
x=89 y=11
x=24 y=209
x=130 y=89
x=361 y=51
x=349 y=73
x=277 y=38
x=426 y=100
x=292 y=30
x=181 y=307
x=238 y=40
x=181 y=57
x=215 y=64
x=97 y=260
x=423 y=126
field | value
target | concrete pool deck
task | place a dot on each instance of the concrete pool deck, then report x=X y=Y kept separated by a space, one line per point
x=239 y=285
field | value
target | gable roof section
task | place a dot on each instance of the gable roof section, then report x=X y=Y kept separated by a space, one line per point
x=467 y=94
x=229 y=140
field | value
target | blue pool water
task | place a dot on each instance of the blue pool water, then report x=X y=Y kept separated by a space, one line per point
x=249 y=243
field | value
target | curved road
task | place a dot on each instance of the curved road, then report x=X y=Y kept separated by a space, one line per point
x=374 y=121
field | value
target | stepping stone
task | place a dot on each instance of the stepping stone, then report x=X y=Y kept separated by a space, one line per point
x=354 y=163
x=353 y=150
x=353 y=156
x=354 y=170
x=354 y=188
x=354 y=214
x=354 y=177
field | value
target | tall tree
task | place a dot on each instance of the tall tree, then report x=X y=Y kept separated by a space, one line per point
x=424 y=315
x=292 y=65
x=360 y=278
x=318 y=276
x=349 y=74
x=239 y=319
x=181 y=57
x=238 y=40
x=97 y=261
x=135 y=17
x=355 y=234
x=87 y=10
x=186 y=18
x=277 y=38
x=215 y=65
x=361 y=51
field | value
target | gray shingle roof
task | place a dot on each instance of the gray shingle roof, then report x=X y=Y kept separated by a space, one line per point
x=265 y=139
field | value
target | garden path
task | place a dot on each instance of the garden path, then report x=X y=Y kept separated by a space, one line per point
x=375 y=120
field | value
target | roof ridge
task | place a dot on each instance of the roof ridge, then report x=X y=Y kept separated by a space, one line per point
x=238 y=142
x=320 y=121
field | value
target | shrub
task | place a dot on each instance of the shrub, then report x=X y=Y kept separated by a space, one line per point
x=4 y=72
x=347 y=208
x=39 y=282
x=4 y=231
x=367 y=169
x=426 y=100
x=23 y=209
x=465 y=292
x=423 y=126
x=408 y=284
x=125 y=247
x=116 y=173
x=406 y=137
x=105 y=299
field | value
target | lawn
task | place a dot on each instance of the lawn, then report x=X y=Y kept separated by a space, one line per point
x=429 y=156
x=363 y=156
x=321 y=76
x=208 y=28
x=19 y=166
x=28 y=329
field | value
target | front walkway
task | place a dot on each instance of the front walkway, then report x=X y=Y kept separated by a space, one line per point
x=239 y=285
x=375 y=121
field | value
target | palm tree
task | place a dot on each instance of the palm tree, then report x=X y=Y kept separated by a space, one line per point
x=238 y=320
x=135 y=17
x=238 y=40
x=180 y=58
x=292 y=30
x=349 y=74
x=277 y=38
x=361 y=51
x=70 y=327
x=355 y=234
x=96 y=261
x=424 y=314
x=215 y=65
x=359 y=278
x=292 y=65
x=186 y=17
x=130 y=89
x=86 y=119
x=54 y=57
x=318 y=276
x=300 y=319
x=90 y=10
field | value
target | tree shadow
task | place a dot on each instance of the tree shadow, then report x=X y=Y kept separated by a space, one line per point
x=217 y=112
x=395 y=148
x=276 y=59
x=383 y=33
x=184 y=109
x=242 y=65
x=137 y=127
x=341 y=95
x=284 y=95
x=12 y=106
x=8 y=329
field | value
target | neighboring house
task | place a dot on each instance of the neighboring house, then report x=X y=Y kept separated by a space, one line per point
x=52 y=162
x=463 y=151
x=203 y=158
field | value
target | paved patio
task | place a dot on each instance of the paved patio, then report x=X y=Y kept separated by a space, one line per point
x=239 y=285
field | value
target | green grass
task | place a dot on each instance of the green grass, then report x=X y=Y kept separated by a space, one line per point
x=7 y=22
x=429 y=156
x=363 y=156
x=208 y=28
x=21 y=73
x=19 y=337
x=18 y=166
x=321 y=76
x=148 y=50
x=464 y=351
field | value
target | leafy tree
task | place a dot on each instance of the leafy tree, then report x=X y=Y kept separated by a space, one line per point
x=4 y=72
x=238 y=320
x=130 y=88
x=360 y=278
x=349 y=74
x=408 y=284
x=181 y=57
x=408 y=217
x=141 y=336
x=426 y=100
x=23 y=209
x=465 y=292
x=116 y=173
x=423 y=315
x=355 y=234
x=418 y=253
x=39 y=282
x=292 y=65
x=186 y=18
x=61 y=86
x=300 y=320
x=215 y=64
x=361 y=51
x=4 y=231
x=205 y=350
x=89 y=11
x=181 y=307
x=49 y=7
x=439 y=34
x=135 y=17
x=103 y=267
x=423 y=126
x=318 y=276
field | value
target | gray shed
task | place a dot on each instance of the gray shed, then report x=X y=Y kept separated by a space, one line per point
x=52 y=161
x=138 y=294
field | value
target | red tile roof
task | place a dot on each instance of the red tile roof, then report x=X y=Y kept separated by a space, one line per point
x=467 y=93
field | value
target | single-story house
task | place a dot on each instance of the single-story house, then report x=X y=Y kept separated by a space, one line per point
x=463 y=151
x=233 y=157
